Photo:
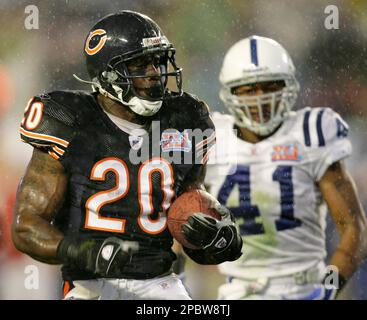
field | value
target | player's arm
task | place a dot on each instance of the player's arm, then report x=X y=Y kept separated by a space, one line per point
x=40 y=195
x=219 y=240
x=43 y=189
x=339 y=191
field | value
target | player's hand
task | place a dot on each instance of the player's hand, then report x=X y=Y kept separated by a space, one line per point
x=208 y=233
x=103 y=257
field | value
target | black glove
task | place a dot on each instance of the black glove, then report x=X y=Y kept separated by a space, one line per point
x=103 y=257
x=218 y=240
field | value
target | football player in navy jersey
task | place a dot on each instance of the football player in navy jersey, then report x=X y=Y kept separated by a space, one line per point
x=86 y=202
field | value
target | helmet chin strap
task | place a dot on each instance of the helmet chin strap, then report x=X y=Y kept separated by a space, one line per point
x=142 y=107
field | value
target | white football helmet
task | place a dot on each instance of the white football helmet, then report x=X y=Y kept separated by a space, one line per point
x=252 y=60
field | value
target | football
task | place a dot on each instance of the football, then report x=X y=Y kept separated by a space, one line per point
x=184 y=206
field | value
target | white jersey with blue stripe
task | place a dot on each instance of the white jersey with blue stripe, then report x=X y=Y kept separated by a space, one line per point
x=271 y=188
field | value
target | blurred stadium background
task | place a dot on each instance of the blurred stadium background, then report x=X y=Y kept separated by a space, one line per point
x=331 y=67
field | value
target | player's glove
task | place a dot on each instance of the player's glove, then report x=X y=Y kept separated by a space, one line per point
x=103 y=257
x=218 y=240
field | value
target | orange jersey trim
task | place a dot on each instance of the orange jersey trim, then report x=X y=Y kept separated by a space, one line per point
x=44 y=137
x=54 y=155
x=66 y=288
x=58 y=150
x=206 y=157
x=201 y=144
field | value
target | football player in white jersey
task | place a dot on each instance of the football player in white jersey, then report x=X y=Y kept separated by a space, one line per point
x=279 y=172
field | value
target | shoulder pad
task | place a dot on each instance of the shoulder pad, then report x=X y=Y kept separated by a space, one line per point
x=191 y=104
x=322 y=126
x=49 y=121
x=222 y=121
x=187 y=112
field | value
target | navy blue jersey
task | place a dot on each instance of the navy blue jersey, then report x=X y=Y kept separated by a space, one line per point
x=120 y=184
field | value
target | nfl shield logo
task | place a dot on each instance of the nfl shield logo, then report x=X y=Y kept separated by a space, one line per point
x=135 y=142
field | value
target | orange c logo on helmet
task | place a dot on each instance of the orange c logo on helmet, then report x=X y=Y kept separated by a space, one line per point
x=99 y=45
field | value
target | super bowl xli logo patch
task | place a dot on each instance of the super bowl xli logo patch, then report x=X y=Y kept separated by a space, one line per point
x=176 y=141
x=286 y=152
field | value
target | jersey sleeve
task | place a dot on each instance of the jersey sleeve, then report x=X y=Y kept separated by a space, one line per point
x=333 y=143
x=48 y=125
x=204 y=136
x=199 y=132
